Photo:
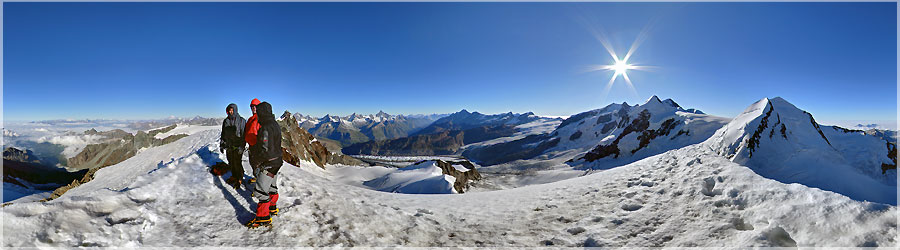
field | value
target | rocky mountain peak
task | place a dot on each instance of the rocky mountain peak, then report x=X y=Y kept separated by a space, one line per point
x=14 y=154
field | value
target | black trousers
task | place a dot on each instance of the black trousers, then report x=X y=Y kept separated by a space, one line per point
x=234 y=161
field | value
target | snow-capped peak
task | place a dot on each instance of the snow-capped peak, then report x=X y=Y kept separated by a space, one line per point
x=768 y=117
x=672 y=103
x=659 y=108
x=780 y=141
x=9 y=133
x=330 y=118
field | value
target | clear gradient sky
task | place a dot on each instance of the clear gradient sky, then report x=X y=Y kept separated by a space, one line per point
x=152 y=60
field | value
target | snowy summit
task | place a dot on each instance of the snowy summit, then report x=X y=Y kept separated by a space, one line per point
x=707 y=194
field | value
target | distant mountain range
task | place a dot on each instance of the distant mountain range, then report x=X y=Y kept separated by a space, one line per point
x=449 y=134
x=614 y=135
x=464 y=119
x=357 y=128
x=197 y=120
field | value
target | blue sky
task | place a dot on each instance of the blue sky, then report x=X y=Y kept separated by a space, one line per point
x=152 y=60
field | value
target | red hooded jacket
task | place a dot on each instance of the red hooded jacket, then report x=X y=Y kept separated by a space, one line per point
x=250 y=130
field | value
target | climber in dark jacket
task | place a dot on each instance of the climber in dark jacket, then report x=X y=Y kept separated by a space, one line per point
x=232 y=144
x=268 y=149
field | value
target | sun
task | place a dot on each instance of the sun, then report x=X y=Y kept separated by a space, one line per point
x=620 y=67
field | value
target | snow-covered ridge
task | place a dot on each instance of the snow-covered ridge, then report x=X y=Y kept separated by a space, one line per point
x=779 y=141
x=186 y=129
x=620 y=133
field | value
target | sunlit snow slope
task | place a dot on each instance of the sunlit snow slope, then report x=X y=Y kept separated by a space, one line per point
x=782 y=142
x=692 y=196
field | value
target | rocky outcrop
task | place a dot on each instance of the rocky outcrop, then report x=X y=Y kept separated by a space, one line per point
x=119 y=146
x=638 y=125
x=299 y=145
x=575 y=135
x=892 y=154
x=463 y=178
x=88 y=175
x=102 y=155
x=14 y=154
x=446 y=142
x=162 y=130
x=664 y=129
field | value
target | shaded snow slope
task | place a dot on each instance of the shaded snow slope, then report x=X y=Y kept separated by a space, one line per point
x=537 y=127
x=686 y=197
x=782 y=142
x=422 y=178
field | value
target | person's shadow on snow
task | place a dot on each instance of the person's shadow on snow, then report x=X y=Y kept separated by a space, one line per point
x=241 y=213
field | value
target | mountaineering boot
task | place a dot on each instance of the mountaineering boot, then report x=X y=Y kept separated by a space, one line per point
x=259 y=222
x=273 y=210
x=262 y=216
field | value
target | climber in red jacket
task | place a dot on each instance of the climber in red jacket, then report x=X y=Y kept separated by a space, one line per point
x=250 y=131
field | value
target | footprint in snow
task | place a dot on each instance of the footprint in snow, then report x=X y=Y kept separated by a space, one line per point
x=631 y=207
x=575 y=230
x=708 y=185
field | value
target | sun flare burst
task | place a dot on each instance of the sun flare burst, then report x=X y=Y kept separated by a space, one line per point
x=619 y=66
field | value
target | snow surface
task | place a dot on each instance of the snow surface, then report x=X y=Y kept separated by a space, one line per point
x=16 y=193
x=406 y=158
x=541 y=126
x=422 y=178
x=186 y=129
x=459 y=167
x=402 y=161
x=686 y=197
x=802 y=155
